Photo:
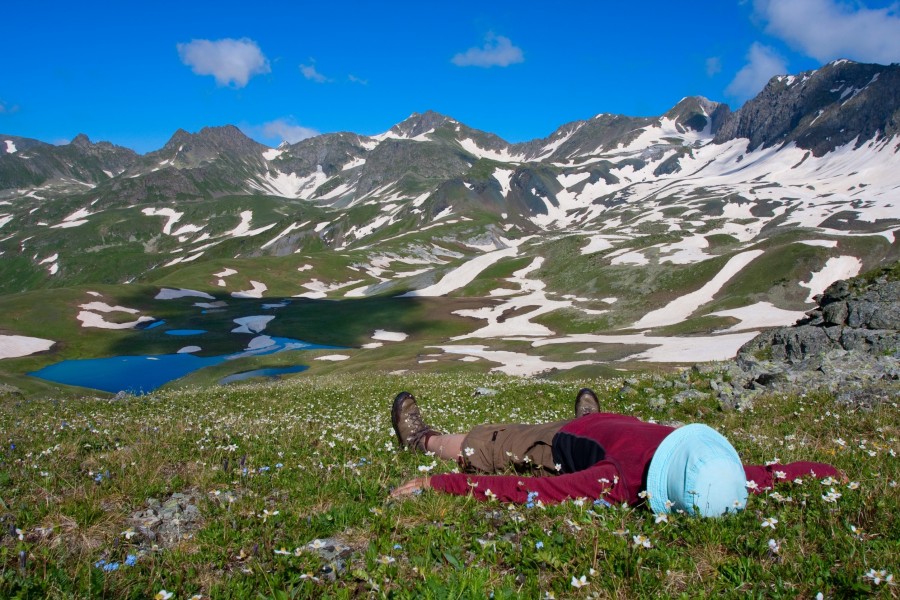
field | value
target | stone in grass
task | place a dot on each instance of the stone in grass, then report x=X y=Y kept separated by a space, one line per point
x=335 y=552
x=483 y=391
x=657 y=403
x=686 y=395
x=627 y=391
x=165 y=523
x=9 y=390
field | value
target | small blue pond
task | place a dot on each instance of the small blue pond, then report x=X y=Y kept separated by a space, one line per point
x=185 y=331
x=151 y=325
x=143 y=374
x=270 y=373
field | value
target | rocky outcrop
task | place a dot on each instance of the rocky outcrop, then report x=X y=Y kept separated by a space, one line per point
x=820 y=110
x=849 y=344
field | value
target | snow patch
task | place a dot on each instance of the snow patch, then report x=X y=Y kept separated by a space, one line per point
x=172 y=294
x=14 y=346
x=666 y=349
x=255 y=292
x=189 y=350
x=92 y=319
x=252 y=324
x=320 y=289
x=836 y=267
x=503 y=155
x=333 y=357
x=389 y=336
x=11 y=149
x=761 y=314
x=272 y=154
x=172 y=216
x=822 y=243
x=503 y=177
x=681 y=308
x=511 y=363
x=243 y=229
x=464 y=274
x=596 y=243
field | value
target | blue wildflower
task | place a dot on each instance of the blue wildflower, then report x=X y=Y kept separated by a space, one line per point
x=99 y=563
x=539 y=545
x=398 y=547
x=113 y=566
x=130 y=560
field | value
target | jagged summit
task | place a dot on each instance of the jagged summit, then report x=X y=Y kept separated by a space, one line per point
x=420 y=123
x=698 y=113
x=81 y=140
x=822 y=109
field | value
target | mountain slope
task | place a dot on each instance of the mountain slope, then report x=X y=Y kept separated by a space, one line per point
x=698 y=222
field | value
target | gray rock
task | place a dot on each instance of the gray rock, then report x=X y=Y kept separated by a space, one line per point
x=849 y=345
x=166 y=523
x=483 y=391
x=689 y=395
x=657 y=403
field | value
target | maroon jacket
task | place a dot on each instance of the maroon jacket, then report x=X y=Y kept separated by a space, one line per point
x=603 y=456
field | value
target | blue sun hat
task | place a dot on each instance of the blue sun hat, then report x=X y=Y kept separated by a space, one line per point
x=696 y=470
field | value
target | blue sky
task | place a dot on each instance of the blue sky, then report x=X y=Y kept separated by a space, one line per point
x=134 y=72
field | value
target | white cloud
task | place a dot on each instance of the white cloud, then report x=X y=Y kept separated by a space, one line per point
x=7 y=109
x=287 y=130
x=498 y=51
x=354 y=79
x=713 y=65
x=309 y=71
x=828 y=29
x=229 y=61
x=763 y=64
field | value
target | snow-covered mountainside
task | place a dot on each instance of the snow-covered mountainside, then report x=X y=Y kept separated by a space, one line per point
x=728 y=220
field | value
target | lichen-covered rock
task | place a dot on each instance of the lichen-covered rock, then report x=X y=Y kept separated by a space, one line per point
x=165 y=523
x=849 y=344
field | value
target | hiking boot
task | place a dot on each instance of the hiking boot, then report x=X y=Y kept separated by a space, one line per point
x=411 y=429
x=586 y=402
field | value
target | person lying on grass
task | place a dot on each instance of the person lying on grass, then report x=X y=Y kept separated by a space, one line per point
x=606 y=456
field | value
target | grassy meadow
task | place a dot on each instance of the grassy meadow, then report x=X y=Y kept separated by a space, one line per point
x=277 y=471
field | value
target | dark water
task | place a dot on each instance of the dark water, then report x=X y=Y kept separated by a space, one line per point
x=270 y=373
x=143 y=374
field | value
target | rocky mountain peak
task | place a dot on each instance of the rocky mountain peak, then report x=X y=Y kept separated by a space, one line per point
x=819 y=110
x=698 y=113
x=417 y=124
x=81 y=140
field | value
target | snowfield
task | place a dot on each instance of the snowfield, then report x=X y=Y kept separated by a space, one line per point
x=14 y=346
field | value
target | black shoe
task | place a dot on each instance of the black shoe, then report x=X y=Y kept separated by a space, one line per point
x=411 y=429
x=586 y=402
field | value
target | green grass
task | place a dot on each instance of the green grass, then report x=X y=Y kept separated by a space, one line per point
x=72 y=472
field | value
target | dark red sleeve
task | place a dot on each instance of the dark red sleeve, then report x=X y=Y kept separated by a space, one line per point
x=764 y=476
x=512 y=488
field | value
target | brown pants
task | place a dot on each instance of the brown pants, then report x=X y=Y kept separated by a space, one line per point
x=497 y=447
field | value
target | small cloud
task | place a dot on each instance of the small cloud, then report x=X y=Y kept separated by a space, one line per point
x=826 y=29
x=713 y=66
x=498 y=51
x=309 y=71
x=286 y=130
x=354 y=79
x=763 y=63
x=6 y=109
x=231 y=62
x=61 y=142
